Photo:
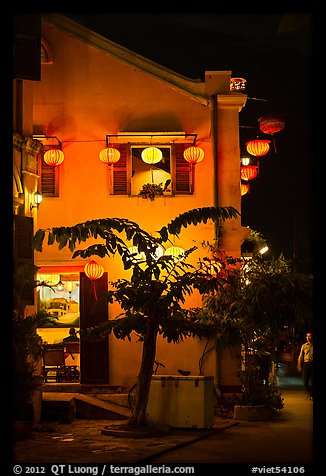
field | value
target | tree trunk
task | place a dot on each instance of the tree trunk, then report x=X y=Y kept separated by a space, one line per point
x=138 y=417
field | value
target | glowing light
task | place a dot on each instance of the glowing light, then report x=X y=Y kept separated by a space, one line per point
x=258 y=147
x=54 y=157
x=248 y=172
x=263 y=250
x=93 y=270
x=133 y=250
x=49 y=279
x=151 y=155
x=245 y=188
x=175 y=251
x=237 y=84
x=109 y=155
x=194 y=154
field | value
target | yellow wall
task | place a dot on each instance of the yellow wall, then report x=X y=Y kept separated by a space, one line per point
x=86 y=94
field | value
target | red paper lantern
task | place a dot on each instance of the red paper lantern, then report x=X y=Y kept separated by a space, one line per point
x=271 y=124
x=54 y=157
x=194 y=154
x=248 y=172
x=93 y=270
x=258 y=147
x=245 y=188
x=109 y=155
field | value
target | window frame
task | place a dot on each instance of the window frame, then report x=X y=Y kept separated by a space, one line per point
x=181 y=171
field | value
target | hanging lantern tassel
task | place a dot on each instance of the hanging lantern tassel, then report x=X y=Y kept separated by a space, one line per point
x=93 y=271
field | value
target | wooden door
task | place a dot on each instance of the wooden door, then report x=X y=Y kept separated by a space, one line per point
x=94 y=355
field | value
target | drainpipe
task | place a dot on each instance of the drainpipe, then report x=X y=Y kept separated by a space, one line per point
x=214 y=122
x=214 y=141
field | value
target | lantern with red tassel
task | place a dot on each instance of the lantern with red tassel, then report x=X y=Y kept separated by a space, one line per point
x=93 y=271
x=194 y=154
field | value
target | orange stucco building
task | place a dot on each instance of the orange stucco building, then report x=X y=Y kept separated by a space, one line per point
x=93 y=93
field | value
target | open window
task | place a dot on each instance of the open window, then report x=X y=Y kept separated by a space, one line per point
x=142 y=172
x=130 y=173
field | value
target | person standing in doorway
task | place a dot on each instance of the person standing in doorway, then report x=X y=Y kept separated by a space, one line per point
x=305 y=364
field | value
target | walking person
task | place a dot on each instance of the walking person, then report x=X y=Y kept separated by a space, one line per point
x=305 y=364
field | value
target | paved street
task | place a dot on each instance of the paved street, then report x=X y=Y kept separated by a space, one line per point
x=284 y=440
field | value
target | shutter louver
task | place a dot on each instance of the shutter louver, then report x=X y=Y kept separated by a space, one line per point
x=121 y=185
x=23 y=250
x=48 y=180
x=182 y=170
x=49 y=176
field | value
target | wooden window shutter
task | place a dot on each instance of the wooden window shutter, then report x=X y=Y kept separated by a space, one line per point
x=49 y=177
x=182 y=171
x=94 y=355
x=27 y=46
x=121 y=171
x=23 y=250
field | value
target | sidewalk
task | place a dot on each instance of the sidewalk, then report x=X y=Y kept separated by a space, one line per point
x=82 y=441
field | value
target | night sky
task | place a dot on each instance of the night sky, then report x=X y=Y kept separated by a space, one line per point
x=273 y=52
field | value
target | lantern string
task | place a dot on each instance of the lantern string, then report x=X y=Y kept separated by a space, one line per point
x=274 y=145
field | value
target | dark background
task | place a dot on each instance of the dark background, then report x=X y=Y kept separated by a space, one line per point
x=273 y=52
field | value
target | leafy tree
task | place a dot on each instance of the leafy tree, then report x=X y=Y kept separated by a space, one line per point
x=27 y=345
x=153 y=299
x=258 y=300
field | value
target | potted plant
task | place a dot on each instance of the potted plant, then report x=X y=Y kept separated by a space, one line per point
x=27 y=352
x=152 y=190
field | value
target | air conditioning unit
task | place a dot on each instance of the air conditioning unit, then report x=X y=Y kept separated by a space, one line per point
x=181 y=402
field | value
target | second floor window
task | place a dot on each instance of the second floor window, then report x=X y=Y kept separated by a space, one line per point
x=130 y=173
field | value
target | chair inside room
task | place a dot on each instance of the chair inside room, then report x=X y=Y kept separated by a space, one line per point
x=72 y=347
x=72 y=356
x=54 y=365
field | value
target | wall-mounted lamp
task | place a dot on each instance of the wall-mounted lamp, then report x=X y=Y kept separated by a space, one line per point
x=263 y=249
x=37 y=200
x=245 y=160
